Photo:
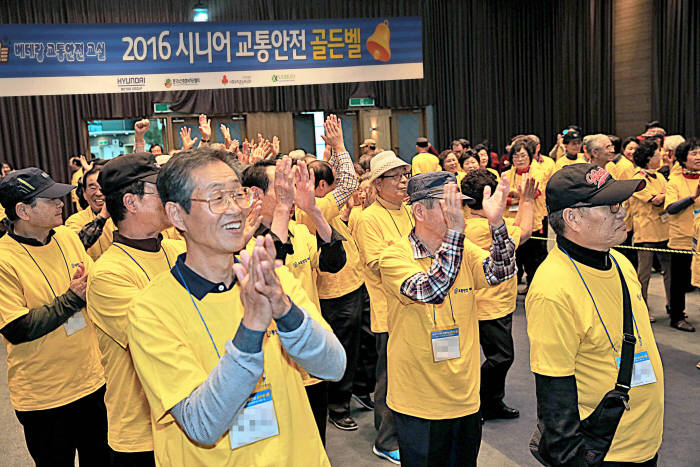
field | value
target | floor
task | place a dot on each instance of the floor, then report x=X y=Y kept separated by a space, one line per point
x=504 y=442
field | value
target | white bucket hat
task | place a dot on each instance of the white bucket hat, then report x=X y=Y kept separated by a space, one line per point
x=384 y=162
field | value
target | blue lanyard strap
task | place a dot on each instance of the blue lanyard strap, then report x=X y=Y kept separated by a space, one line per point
x=197 y=308
x=42 y=272
x=141 y=267
x=594 y=303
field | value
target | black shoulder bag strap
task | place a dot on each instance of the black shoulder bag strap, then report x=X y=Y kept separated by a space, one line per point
x=599 y=427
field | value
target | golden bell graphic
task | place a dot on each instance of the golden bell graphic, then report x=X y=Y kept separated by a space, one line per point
x=378 y=43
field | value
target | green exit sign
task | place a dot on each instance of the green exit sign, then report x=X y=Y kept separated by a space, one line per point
x=361 y=102
x=161 y=108
x=103 y=142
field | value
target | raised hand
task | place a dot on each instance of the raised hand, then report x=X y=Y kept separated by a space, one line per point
x=257 y=311
x=528 y=188
x=252 y=221
x=227 y=136
x=284 y=182
x=275 y=146
x=304 y=180
x=205 y=127
x=493 y=204
x=235 y=146
x=333 y=136
x=245 y=148
x=258 y=154
x=141 y=127
x=270 y=285
x=451 y=206
x=87 y=166
x=186 y=137
x=78 y=283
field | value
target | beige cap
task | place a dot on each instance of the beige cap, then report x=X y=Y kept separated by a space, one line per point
x=384 y=162
x=368 y=142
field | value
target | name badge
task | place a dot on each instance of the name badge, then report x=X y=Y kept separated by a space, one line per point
x=445 y=344
x=513 y=207
x=642 y=371
x=75 y=323
x=256 y=421
x=664 y=216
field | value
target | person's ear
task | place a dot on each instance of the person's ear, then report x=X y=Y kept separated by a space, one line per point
x=258 y=194
x=175 y=214
x=22 y=211
x=572 y=219
x=130 y=200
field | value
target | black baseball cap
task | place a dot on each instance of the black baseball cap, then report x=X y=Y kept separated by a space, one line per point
x=25 y=184
x=589 y=185
x=571 y=135
x=124 y=170
x=422 y=142
x=430 y=185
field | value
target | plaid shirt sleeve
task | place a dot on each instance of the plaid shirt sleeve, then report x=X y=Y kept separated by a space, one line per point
x=500 y=266
x=347 y=178
x=434 y=285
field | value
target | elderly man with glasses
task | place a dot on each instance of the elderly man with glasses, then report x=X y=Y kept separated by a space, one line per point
x=382 y=224
x=578 y=332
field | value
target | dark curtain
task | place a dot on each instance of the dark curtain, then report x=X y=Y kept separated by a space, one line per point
x=492 y=69
x=676 y=66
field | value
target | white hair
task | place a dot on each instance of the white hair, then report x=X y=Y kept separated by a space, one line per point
x=672 y=142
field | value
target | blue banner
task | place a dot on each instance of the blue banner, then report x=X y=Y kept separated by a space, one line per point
x=100 y=58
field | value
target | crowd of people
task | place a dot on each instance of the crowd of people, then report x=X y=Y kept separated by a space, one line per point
x=220 y=304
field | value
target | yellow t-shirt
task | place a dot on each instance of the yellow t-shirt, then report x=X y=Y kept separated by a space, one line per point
x=425 y=162
x=81 y=218
x=567 y=338
x=695 y=262
x=648 y=225
x=172 y=233
x=547 y=168
x=116 y=279
x=2 y=213
x=55 y=369
x=418 y=386
x=540 y=210
x=497 y=301
x=378 y=227
x=680 y=226
x=173 y=355
x=563 y=161
x=623 y=169
x=349 y=278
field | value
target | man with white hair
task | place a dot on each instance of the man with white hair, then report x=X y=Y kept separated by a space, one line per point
x=668 y=155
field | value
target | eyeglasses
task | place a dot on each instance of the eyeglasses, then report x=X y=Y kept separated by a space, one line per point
x=220 y=201
x=398 y=176
x=614 y=208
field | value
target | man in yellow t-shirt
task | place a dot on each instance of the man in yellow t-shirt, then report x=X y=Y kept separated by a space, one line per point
x=93 y=225
x=496 y=304
x=575 y=325
x=278 y=187
x=77 y=173
x=137 y=256
x=433 y=354
x=424 y=161
x=381 y=224
x=213 y=340
x=55 y=378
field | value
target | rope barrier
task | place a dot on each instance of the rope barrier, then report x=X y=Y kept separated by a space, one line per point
x=659 y=250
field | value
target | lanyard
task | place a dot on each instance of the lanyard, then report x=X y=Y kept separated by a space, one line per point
x=198 y=312
x=596 y=306
x=141 y=267
x=392 y=217
x=42 y=272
